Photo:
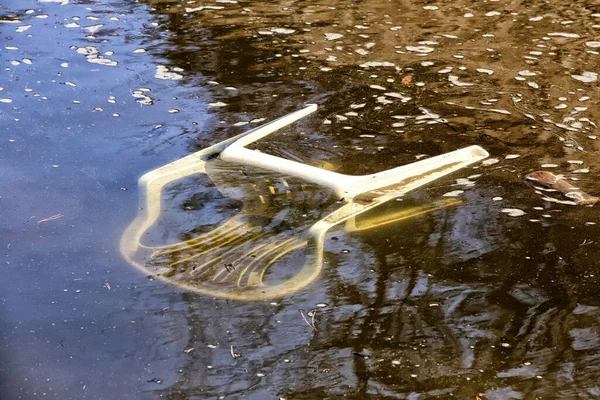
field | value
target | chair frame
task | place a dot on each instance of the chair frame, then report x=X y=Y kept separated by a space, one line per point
x=357 y=193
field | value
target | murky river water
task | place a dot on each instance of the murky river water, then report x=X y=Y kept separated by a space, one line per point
x=493 y=296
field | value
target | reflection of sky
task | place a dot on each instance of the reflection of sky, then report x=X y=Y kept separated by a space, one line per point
x=75 y=319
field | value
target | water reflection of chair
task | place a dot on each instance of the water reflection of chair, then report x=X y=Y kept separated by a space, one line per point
x=232 y=260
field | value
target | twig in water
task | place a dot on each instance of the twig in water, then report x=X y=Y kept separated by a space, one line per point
x=312 y=325
x=57 y=216
x=233 y=354
x=229 y=267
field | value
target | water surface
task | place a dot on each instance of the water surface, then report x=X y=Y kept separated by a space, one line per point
x=475 y=299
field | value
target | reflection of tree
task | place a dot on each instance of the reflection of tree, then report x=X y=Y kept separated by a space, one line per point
x=456 y=317
x=445 y=291
x=467 y=323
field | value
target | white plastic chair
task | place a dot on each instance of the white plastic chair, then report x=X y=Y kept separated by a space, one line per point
x=231 y=261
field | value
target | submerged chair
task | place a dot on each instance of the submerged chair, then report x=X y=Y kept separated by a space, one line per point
x=288 y=206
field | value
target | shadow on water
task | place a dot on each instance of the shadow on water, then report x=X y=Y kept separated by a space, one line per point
x=493 y=298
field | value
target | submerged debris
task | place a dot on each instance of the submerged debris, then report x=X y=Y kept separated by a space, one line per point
x=551 y=181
